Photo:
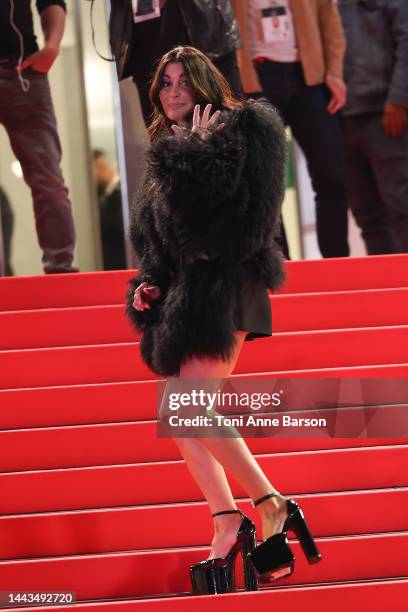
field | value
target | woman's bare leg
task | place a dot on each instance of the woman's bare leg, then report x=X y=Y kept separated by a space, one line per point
x=207 y=457
x=204 y=468
x=235 y=456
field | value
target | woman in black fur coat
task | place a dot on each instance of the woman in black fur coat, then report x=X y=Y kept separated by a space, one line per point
x=203 y=229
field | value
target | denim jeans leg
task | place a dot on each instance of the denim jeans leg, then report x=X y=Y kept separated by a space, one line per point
x=318 y=134
x=30 y=122
x=272 y=79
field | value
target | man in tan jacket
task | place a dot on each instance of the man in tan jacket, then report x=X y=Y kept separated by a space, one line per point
x=293 y=54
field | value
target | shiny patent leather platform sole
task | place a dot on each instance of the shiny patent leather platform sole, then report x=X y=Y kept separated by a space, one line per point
x=218 y=575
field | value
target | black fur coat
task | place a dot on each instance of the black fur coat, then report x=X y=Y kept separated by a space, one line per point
x=204 y=207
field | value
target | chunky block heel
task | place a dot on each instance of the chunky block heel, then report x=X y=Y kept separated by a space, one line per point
x=250 y=578
x=273 y=558
x=218 y=575
x=299 y=525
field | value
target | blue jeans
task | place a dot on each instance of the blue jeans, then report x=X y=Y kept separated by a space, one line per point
x=318 y=134
x=30 y=123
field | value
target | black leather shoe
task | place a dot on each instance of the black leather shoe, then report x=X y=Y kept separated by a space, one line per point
x=218 y=575
x=273 y=558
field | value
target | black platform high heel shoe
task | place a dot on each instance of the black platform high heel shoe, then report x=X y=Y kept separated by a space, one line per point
x=273 y=558
x=218 y=575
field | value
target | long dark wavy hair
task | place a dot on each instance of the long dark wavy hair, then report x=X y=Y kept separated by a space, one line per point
x=206 y=81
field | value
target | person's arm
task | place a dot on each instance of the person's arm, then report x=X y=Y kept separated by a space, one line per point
x=395 y=118
x=53 y=15
x=334 y=47
x=153 y=264
x=199 y=174
x=267 y=152
x=53 y=25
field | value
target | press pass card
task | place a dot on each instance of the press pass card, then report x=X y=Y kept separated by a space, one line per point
x=275 y=24
x=145 y=9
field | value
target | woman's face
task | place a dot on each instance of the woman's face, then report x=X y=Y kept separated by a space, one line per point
x=176 y=95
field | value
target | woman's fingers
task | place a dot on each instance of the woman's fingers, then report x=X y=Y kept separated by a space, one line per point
x=138 y=302
x=152 y=292
x=177 y=130
x=214 y=118
x=206 y=115
x=204 y=123
x=196 y=116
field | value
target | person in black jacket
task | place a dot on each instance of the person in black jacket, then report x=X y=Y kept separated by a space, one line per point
x=203 y=229
x=110 y=211
x=208 y=25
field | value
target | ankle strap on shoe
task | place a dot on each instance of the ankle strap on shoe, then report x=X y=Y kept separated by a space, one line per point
x=227 y=512
x=265 y=497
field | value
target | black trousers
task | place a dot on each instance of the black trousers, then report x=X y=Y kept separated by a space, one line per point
x=377 y=183
x=318 y=133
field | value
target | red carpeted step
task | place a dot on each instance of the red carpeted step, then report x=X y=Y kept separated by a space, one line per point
x=144 y=573
x=138 y=400
x=372 y=595
x=64 y=327
x=129 y=443
x=294 y=312
x=115 y=529
x=73 y=495
x=64 y=290
x=170 y=482
x=339 y=309
x=281 y=352
x=96 y=288
x=346 y=274
x=78 y=404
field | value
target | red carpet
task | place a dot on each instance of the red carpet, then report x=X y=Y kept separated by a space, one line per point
x=92 y=502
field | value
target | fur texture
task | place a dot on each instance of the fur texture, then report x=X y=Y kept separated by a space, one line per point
x=204 y=207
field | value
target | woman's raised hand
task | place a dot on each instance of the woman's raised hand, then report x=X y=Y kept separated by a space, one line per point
x=202 y=126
